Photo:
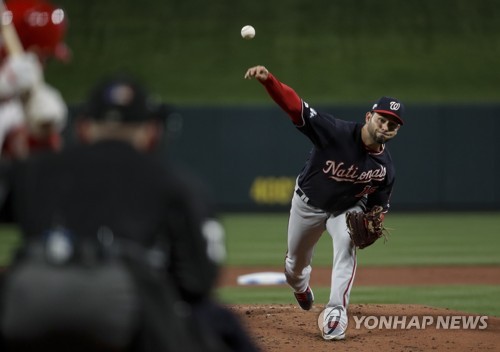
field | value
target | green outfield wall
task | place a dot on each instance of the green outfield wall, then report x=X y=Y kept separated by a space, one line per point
x=447 y=157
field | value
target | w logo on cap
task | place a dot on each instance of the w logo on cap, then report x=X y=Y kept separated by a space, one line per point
x=394 y=105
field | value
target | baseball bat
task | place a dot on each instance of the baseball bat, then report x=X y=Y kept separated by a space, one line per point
x=11 y=40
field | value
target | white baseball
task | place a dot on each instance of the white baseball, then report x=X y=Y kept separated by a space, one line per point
x=248 y=32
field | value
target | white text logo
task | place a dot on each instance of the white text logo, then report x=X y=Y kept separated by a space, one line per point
x=394 y=105
x=339 y=172
x=393 y=322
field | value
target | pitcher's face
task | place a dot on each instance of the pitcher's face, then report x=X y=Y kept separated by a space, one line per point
x=381 y=128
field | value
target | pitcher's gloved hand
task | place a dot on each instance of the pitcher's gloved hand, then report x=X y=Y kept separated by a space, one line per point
x=365 y=227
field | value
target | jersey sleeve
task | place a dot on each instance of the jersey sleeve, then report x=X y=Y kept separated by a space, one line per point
x=323 y=129
x=285 y=97
x=320 y=128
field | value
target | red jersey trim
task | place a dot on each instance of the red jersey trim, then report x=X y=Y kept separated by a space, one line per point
x=285 y=97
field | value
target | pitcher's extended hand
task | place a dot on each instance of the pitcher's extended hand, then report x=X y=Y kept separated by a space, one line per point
x=259 y=72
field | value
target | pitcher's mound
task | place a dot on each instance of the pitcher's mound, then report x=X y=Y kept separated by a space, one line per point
x=377 y=328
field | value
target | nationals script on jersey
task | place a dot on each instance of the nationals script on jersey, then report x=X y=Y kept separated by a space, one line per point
x=340 y=170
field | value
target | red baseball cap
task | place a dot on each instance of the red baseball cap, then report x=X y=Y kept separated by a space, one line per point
x=40 y=25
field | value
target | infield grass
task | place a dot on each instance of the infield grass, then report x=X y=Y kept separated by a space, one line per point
x=415 y=239
x=471 y=299
x=9 y=240
x=419 y=239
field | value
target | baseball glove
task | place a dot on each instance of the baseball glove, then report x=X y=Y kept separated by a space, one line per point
x=365 y=227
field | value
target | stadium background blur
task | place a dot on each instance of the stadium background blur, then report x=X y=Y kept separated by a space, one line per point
x=440 y=57
x=337 y=51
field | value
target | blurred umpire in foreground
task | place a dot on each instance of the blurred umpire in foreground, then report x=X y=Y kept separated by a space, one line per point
x=118 y=251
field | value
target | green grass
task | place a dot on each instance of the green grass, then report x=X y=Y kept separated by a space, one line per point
x=415 y=239
x=9 y=240
x=419 y=239
x=470 y=299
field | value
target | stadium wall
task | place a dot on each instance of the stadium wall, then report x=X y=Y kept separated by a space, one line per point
x=447 y=157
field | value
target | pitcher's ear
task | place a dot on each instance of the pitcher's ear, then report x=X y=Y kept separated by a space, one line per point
x=368 y=116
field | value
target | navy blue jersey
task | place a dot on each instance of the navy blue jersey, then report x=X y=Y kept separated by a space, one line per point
x=340 y=170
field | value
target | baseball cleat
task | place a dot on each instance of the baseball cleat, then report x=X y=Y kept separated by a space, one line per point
x=305 y=299
x=333 y=323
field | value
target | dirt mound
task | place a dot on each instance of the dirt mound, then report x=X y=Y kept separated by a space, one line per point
x=371 y=328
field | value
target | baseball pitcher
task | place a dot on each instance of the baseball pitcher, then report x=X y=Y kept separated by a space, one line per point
x=349 y=172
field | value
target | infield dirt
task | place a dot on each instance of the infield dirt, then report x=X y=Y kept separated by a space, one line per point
x=285 y=327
